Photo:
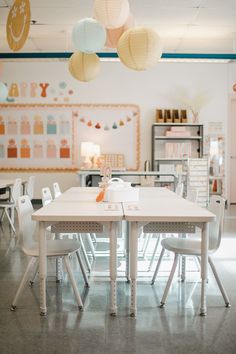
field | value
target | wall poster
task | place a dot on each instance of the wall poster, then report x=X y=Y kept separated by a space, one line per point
x=49 y=136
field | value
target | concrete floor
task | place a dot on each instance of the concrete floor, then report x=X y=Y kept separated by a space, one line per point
x=177 y=328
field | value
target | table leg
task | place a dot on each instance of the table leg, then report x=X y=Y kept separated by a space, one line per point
x=127 y=253
x=113 y=266
x=133 y=266
x=204 y=267
x=42 y=268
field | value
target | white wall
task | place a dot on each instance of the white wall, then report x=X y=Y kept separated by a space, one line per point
x=116 y=84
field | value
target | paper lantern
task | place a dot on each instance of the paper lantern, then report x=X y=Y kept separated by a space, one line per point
x=139 y=48
x=114 y=34
x=83 y=66
x=111 y=13
x=3 y=92
x=88 y=35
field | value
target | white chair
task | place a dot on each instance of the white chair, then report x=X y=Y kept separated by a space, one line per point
x=30 y=187
x=179 y=190
x=192 y=247
x=28 y=230
x=46 y=199
x=46 y=196
x=9 y=206
x=56 y=189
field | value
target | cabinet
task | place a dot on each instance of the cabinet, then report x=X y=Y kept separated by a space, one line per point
x=173 y=144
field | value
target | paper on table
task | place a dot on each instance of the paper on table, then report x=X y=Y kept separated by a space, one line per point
x=111 y=207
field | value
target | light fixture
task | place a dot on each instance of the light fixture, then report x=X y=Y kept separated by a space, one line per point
x=83 y=66
x=88 y=35
x=139 y=48
x=114 y=34
x=111 y=13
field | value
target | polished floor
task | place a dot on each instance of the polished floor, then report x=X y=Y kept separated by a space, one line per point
x=177 y=328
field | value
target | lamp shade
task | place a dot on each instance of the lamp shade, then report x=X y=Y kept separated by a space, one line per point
x=139 y=48
x=87 y=148
x=83 y=66
x=114 y=34
x=111 y=13
x=88 y=35
x=3 y=92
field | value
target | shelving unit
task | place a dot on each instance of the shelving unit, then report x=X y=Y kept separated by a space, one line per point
x=173 y=144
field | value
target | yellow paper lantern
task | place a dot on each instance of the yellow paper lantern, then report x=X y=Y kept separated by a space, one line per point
x=84 y=66
x=111 y=13
x=139 y=48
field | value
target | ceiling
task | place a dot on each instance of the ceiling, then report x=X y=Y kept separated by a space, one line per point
x=185 y=26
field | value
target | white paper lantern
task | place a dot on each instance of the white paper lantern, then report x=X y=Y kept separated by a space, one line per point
x=3 y=92
x=88 y=35
x=83 y=66
x=111 y=13
x=139 y=48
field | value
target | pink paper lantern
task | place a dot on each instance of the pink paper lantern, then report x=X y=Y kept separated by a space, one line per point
x=114 y=34
x=111 y=13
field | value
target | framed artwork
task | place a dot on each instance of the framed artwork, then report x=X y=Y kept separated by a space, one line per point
x=48 y=137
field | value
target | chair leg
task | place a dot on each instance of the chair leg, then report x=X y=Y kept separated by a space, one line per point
x=163 y=300
x=158 y=265
x=2 y=215
x=91 y=246
x=82 y=269
x=84 y=253
x=154 y=252
x=73 y=283
x=183 y=268
x=35 y=273
x=220 y=285
x=147 y=244
x=10 y=221
x=94 y=237
x=23 y=283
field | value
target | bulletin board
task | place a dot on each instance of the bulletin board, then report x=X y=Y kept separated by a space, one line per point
x=49 y=136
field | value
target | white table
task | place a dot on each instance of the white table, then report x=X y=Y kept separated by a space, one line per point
x=162 y=211
x=76 y=210
x=159 y=210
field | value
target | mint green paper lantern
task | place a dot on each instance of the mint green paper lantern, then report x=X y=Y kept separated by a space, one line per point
x=3 y=92
x=88 y=36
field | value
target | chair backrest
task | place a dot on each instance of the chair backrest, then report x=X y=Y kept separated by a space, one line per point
x=192 y=195
x=217 y=207
x=27 y=226
x=179 y=190
x=30 y=187
x=16 y=190
x=56 y=190
x=46 y=196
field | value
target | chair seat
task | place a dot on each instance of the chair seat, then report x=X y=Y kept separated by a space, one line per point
x=55 y=248
x=182 y=246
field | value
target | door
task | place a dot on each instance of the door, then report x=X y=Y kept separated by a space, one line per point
x=233 y=153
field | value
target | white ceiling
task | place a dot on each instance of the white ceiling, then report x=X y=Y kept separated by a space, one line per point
x=185 y=26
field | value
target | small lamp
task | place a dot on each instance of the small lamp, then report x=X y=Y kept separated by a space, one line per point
x=96 y=155
x=87 y=152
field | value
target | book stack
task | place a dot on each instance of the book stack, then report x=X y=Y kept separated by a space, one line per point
x=178 y=150
x=178 y=132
